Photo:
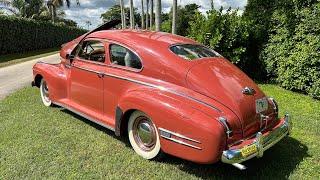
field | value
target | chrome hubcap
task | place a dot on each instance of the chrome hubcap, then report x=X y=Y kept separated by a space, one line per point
x=144 y=133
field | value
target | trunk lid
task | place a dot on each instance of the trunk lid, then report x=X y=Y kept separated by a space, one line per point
x=219 y=79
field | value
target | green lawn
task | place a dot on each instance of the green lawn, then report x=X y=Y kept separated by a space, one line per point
x=36 y=141
x=10 y=59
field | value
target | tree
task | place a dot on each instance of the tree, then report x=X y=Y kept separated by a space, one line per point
x=185 y=15
x=123 y=16
x=53 y=5
x=151 y=14
x=115 y=13
x=132 y=24
x=22 y=8
x=147 y=15
x=225 y=32
x=142 y=15
x=292 y=52
x=158 y=15
x=174 y=17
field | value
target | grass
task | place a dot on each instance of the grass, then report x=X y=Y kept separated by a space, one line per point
x=10 y=59
x=39 y=142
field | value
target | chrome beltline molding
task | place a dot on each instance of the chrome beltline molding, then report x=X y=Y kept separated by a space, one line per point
x=153 y=86
x=167 y=135
x=84 y=115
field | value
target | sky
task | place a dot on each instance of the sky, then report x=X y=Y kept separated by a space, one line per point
x=90 y=10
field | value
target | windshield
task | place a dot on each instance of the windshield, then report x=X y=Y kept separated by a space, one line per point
x=193 y=51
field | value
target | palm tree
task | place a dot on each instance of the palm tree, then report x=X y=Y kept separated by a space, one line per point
x=151 y=14
x=88 y=23
x=26 y=8
x=54 y=4
x=174 y=17
x=123 y=16
x=158 y=15
x=17 y=7
x=142 y=15
x=131 y=15
x=147 y=15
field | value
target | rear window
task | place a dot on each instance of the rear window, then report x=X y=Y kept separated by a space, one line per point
x=193 y=51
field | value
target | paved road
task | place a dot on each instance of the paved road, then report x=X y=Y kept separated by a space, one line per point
x=18 y=76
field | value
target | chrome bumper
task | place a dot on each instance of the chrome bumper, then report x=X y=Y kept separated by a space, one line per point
x=261 y=142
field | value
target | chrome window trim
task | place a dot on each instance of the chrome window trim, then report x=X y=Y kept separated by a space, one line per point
x=111 y=42
x=90 y=61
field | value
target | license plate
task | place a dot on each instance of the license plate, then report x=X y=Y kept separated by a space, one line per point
x=261 y=105
x=248 y=150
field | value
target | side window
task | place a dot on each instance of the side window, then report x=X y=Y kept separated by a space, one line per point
x=124 y=57
x=92 y=51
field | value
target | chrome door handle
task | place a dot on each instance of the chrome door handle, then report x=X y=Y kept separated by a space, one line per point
x=100 y=75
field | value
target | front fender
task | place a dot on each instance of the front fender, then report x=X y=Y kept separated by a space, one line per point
x=179 y=116
x=56 y=77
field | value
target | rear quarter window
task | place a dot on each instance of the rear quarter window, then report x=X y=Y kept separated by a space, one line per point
x=193 y=51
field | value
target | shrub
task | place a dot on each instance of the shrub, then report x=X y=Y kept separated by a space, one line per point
x=21 y=35
x=293 y=58
x=225 y=32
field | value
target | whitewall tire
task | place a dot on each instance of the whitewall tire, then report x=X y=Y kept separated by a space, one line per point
x=44 y=92
x=143 y=135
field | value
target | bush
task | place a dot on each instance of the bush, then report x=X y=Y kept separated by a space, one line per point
x=225 y=32
x=20 y=35
x=293 y=57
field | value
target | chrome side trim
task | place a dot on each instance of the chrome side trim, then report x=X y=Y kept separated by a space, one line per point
x=89 y=70
x=163 y=89
x=84 y=115
x=153 y=86
x=167 y=135
x=179 y=135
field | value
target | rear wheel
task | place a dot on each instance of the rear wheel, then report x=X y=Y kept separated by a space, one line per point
x=143 y=135
x=44 y=91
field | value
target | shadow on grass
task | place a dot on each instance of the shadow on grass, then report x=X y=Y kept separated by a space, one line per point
x=277 y=163
x=97 y=126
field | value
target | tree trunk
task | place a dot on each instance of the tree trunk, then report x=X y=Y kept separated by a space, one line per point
x=158 y=15
x=52 y=13
x=151 y=14
x=131 y=15
x=147 y=15
x=212 y=5
x=174 y=17
x=142 y=15
x=123 y=16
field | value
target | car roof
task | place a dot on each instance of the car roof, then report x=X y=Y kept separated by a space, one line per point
x=141 y=38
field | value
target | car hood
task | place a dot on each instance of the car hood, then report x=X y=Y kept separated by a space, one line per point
x=222 y=81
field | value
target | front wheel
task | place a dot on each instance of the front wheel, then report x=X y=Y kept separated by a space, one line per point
x=44 y=91
x=143 y=135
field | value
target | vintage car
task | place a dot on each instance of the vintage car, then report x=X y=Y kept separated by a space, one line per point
x=167 y=93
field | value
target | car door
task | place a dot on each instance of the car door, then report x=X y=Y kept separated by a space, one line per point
x=125 y=64
x=86 y=78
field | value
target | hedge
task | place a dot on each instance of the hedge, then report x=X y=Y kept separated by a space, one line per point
x=21 y=35
x=292 y=55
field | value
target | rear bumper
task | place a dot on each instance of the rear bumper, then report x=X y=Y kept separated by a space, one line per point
x=262 y=142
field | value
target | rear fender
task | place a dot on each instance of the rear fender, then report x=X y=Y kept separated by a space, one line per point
x=175 y=114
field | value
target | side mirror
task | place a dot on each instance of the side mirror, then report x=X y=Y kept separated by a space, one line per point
x=69 y=59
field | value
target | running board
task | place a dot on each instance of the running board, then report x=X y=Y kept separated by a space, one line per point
x=84 y=115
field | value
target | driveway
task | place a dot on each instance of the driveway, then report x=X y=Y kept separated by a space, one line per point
x=18 y=76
